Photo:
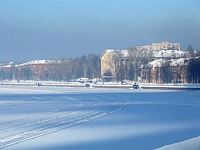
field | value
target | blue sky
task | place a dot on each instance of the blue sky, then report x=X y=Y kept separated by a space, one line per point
x=52 y=29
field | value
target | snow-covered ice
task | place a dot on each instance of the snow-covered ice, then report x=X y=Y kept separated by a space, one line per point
x=95 y=119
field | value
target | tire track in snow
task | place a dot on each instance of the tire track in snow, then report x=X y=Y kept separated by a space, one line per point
x=47 y=129
x=59 y=115
x=17 y=103
x=78 y=105
x=18 y=120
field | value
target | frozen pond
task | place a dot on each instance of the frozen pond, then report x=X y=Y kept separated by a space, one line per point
x=98 y=119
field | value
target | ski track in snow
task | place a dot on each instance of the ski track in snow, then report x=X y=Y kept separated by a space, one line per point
x=20 y=130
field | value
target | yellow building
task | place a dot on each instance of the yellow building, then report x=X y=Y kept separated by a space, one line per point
x=120 y=60
x=127 y=64
x=107 y=62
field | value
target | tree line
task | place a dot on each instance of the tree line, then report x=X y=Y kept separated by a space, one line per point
x=87 y=66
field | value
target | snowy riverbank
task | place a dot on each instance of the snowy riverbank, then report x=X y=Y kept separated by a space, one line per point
x=180 y=86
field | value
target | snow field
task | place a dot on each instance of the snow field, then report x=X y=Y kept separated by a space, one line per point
x=89 y=118
x=20 y=130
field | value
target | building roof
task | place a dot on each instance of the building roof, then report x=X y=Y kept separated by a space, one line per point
x=180 y=61
x=147 y=53
x=37 y=62
x=172 y=62
x=156 y=63
x=7 y=65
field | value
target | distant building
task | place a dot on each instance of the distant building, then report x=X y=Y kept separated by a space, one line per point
x=164 y=45
x=157 y=63
x=7 y=66
x=33 y=70
x=166 y=71
x=111 y=59
x=38 y=67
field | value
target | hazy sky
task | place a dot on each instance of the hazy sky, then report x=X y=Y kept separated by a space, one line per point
x=47 y=29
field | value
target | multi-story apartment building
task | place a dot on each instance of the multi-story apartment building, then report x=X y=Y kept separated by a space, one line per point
x=164 y=45
x=110 y=59
x=131 y=63
x=38 y=67
x=166 y=71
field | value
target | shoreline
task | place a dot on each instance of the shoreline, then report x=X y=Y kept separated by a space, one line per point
x=108 y=85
